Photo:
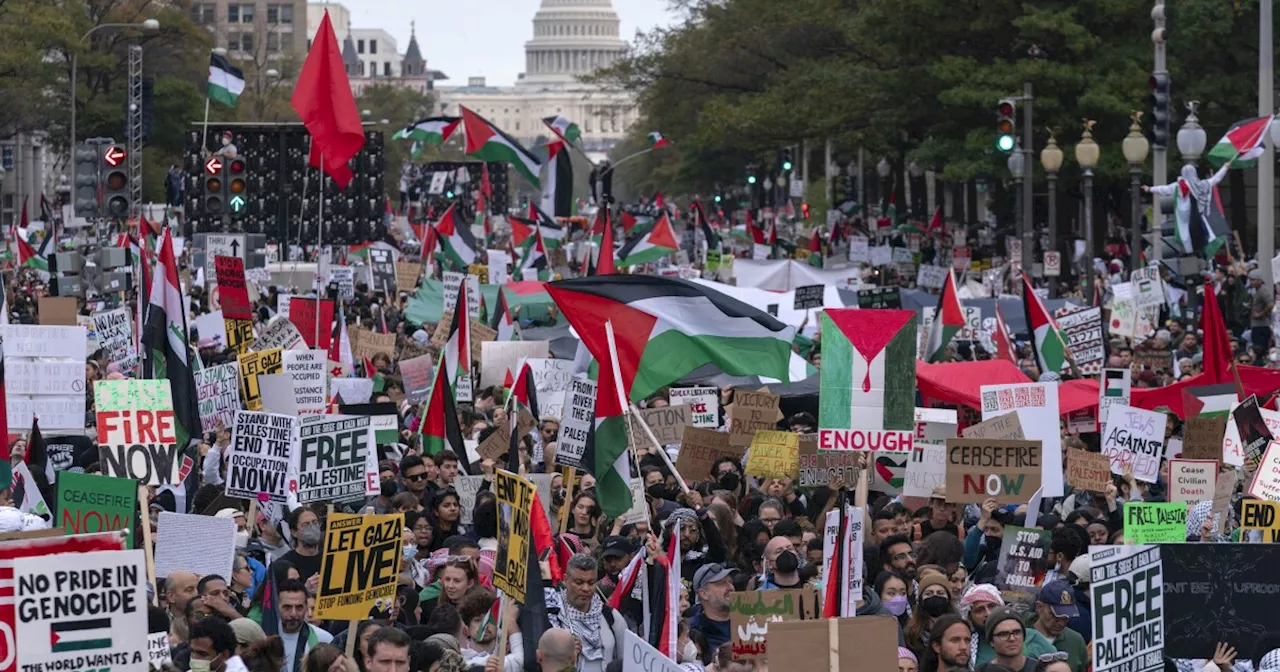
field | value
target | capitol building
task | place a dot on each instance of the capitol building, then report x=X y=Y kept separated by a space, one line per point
x=571 y=38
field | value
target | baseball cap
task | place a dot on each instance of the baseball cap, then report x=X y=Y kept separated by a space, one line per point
x=229 y=513
x=1057 y=594
x=708 y=574
x=616 y=547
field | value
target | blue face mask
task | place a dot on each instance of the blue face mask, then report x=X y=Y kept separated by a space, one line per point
x=410 y=552
x=896 y=605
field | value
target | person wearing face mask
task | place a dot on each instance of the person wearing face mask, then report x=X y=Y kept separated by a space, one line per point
x=782 y=566
x=982 y=542
x=934 y=602
x=213 y=647
x=387 y=488
x=307 y=537
x=892 y=591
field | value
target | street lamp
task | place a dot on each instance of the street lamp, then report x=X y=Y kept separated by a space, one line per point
x=1087 y=156
x=916 y=171
x=883 y=169
x=1016 y=163
x=1051 y=161
x=1191 y=137
x=1135 y=148
x=148 y=26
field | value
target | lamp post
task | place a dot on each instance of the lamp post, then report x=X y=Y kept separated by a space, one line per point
x=148 y=26
x=1191 y=137
x=1087 y=156
x=883 y=169
x=918 y=196
x=1016 y=163
x=1051 y=161
x=1135 y=148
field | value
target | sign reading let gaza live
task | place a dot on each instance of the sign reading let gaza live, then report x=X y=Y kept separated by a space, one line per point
x=868 y=381
x=337 y=460
x=137 y=433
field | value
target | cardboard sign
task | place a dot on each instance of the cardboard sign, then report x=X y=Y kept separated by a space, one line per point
x=926 y=471
x=418 y=374
x=809 y=296
x=754 y=611
x=1202 y=437
x=1155 y=522
x=137 y=437
x=281 y=333
x=933 y=277
x=1135 y=437
x=1192 y=480
x=113 y=329
x=239 y=334
x=194 y=543
x=1088 y=471
x=58 y=310
x=700 y=449
x=259 y=456
x=860 y=644
x=1007 y=470
x=1037 y=407
x=499 y=442
x=1022 y=565
x=337 y=459
x=315 y=323
x=818 y=467
x=515 y=505
x=575 y=423
x=774 y=454
x=360 y=565
x=407 y=274
x=233 y=291
x=667 y=423
x=1262 y=516
x=368 y=344
x=218 y=395
x=750 y=412
x=1130 y=634
x=82 y=611
x=252 y=364
x=1006 y=426
x=89 y=503
x=1223 y=492
x=703 y=403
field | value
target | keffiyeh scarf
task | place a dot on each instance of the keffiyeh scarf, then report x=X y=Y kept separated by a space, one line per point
x=585 y=625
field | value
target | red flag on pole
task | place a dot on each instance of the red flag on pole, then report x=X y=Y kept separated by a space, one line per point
x=322 y=98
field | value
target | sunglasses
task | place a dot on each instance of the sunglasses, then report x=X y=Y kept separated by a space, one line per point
x=415 y=478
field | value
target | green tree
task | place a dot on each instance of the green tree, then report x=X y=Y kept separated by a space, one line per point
x=391 y=108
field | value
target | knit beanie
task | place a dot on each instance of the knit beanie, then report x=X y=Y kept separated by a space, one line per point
x=935 y=579
x=1000 y=615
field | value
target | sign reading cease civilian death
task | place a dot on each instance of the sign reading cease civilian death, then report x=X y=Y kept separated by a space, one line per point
x=337 y=459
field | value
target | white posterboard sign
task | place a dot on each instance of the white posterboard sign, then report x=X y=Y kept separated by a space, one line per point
x=306 y=370
x=260 y=454
x=337 y=459
x=551 y=378
x=218 y=395
x=851 y=564
x=186 y=542
x=703 y=403
x=498 y=357
x=1037 y=407
x=453 y=281
x=281 y=333
x=1121 y=586
x=579 y=413
x=44 y=375
x=1134 y=436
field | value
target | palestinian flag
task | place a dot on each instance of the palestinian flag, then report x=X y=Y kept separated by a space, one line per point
x=652 y=245
x=457 y=350
x=524 y=396
x=86 y=634
x=609 y=441
x=456 y=239
x=533 y=619
x=552 y=233
x=655 y=141
x=523 y=231
x=501 y=321
x=815 y=249
x=1242 y=144
x=488 y=143
x=1216 y=340
x=226 y=81
x=563 y=128
x=704 y=225
x=535 y=258
x=935 y=224
x=432 y=130
x=1003 y=339
x=868 y=374
x=439 y=427
x=557 y=187
x=28 y=258
x=1047 y=342
x=627 y=578
x=948 y=321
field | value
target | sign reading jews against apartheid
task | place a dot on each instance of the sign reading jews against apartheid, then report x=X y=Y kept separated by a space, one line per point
x=259 y=458
x=337 y=459
x=81 y=611
x=360 y=564
x=1135 y=437
x=1133 y=620
x=137 y=433
x=1006 y=470
x=90 y=503
x=515 y=504
x=868 y=380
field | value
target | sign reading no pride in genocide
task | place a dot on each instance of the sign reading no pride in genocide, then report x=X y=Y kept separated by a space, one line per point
x=81 y=611
x=360 y=565
x=258 y=461
x=137 y=436
x=337 y=461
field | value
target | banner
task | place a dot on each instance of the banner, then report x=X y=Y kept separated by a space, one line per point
x=337 y=459
x=113 y=329
x=360 y=564
x=515 y=504
x=1135 y=437
x=89 y=503
x=309 y=380
x=233 y=293
x=575 y=423
x=82 y=611
x=258 y=458
x=136 y=431
x=1127 y=594
x=252 y=364
x=703 y=403
x=1155 y=522
x=1021 y=567
x=281 y=333
x=218 y=395
x=1006 y=470
x=302 y=313
x=754 y=610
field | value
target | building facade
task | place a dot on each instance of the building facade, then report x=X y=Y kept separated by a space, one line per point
x=260 y=30
x=371 y=55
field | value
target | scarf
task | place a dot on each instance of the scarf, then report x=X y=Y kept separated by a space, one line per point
x=676 y=520
x=585 y=625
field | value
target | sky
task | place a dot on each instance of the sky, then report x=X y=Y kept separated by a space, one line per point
x=467 y=38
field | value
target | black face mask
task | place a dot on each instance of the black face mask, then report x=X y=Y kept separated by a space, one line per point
x=992 y=548
x=730 y=481
x=388 y=489
x=935 y=605
x=657 y=491
x=787 y=562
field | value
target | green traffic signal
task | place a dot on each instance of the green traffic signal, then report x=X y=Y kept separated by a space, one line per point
x=237 y=203
x=1005 y=143
x=786 y=165
x=751 y=179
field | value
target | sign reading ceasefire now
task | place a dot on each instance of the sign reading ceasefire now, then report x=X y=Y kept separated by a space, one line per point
x=1007 y=470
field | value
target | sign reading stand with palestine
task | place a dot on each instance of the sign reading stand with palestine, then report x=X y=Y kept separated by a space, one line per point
x=809 y=296
x=868 y=380
x=360 y=565
x=259 y=456
x=137 y=437
x=337 y=459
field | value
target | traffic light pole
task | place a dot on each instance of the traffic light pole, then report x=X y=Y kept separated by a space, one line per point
x=1266 y=164
x=1159 y=151
x=1028 y=190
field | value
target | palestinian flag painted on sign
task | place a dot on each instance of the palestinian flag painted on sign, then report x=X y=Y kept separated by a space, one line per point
x=1242 y=144
x=432 y=130
x=456 y=240
x=1047 y=340
x=489 y=143
x=86 y=634
x=947 y=321
x=651 y=245
x=868 y=374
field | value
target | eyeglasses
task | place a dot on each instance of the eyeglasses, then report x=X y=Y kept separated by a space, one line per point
x=415 y=477
x=1007 y=635
x=1055 y=657
x=770 y=521
x=904 y=555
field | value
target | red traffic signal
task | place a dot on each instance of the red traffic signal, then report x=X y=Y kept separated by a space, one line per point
x=213 y=166
x=237 y=166
x=114 y=156
x=1005 y=109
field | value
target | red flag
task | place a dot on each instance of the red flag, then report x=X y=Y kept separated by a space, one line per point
x=628 y=221
x=1217 y=345
x=606 y=265
x=936 y=223
x=322 y=98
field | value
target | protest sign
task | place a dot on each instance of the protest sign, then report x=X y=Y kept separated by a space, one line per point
x=113 y=330
x=218 y=395
x=639 y=656
x=1253 y=431
x=1127 y=596
x=498 y=357
x=1134 y=436
x=360 y=565
x=880 y=298
x=467 y=487
x=211 y=327
x=703 y=403
x=667 y=423
x=233 y=293
x=1261 y=516
x=1021 y=567
x=315 y=323
x=515 y=505
x=496 y=445
x=1082 y=327
x=158 y=649
x=382 y=271
x=575 y=423
x=407 y=276
x=851 y=561
x=281 y=333
x=749 y=412
x=306 y=371
x=194 y=543
x=44 y=375
x=337 y=459
x=81 y=611
x=345 y=279
x=89 y=503
x=867 y=399
x=137 y=436
x=452 y=282
x=1233 y=452
x=700 y=449
x=252 y=364
x=857 y=645
x=1223 y=491
x=1114 y=387
x=926 y=471
x=1088 y=471
x=774 y=454
x=931 y=276
x=239 y=335
x=1192 y=480
x=817 y=467
x=1266 y=479
x=58 y=311
x=370 y=344
x=551 y=379
x=753 y=612
x=418 y=374
x=1037 y=407
x=1212 y=593
x=259 y=456
x=809 y=296
x=1202 y=437
x=353 y=390
x=935 y=425
x=1007 y=470
x=1155 y=522
x=1006 y=426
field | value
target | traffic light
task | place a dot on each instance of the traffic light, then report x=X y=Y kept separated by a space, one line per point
x=718 y=197
x=212 y=186
x=1006 y=127
x=804 y=210
x=751 y=175
x=786 y=163
x=237 y=187
x=1161 y=102
x=115 y=182
x=85 y=194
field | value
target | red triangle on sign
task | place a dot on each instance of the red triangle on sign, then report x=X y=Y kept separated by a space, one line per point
x=869 y=331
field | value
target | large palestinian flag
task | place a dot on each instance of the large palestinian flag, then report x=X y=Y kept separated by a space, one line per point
x=456 y=239
x=651 y=245
x=439 y=427
x=1242 y=143
x=432 y=130
x=1047 y=340
x=947 y=321
x=868 y=379
x=457 y=350
x=488 y=143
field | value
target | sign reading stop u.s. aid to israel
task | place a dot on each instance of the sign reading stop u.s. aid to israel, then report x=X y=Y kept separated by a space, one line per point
x=81 y=611
x=868 y=395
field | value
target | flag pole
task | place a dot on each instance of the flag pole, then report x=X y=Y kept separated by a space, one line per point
x=622 y=397
x=204 y=135
x=319 y=247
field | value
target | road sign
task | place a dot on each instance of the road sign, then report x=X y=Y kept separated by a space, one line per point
x=1052 y=264
x=221 y=245
x=114 y=156
x=213 y=166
